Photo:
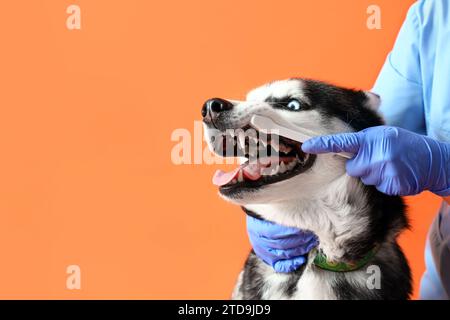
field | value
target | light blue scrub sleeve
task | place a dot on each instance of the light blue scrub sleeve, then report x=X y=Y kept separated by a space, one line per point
x=399 y=82
x=400 y=86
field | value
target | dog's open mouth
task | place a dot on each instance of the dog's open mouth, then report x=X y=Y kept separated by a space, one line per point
x=269 y=158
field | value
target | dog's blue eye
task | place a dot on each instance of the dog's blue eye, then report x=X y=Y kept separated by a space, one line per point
x=294 y=105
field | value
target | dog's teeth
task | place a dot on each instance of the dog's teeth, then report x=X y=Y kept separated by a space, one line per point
x=233 y=181
x=253 y=150
x=240 y=176
x=284 y=148
x=228 y=133
x=277 y=168
x=275 y=145
x=290 y=165
x=302 y=160
x=232 y=133
x=241 y=139
x=266 y=171
x=263 y=142
x=242 y=160
x=282 y=167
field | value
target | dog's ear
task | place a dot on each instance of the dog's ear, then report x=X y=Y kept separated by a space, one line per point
x=373 y=101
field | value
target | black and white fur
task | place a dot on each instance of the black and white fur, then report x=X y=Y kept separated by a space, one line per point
x=348 y=217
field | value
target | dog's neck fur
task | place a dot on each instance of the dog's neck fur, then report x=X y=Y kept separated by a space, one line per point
x=339 y=216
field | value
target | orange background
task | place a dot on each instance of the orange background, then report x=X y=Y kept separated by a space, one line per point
x=86 y=117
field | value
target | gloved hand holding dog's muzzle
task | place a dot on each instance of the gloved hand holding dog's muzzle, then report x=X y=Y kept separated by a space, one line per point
x=394 y=160
x=283 y=248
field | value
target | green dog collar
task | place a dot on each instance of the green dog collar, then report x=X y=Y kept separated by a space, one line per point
x=322 y=262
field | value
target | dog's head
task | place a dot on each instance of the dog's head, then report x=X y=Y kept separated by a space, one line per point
x=276 y=169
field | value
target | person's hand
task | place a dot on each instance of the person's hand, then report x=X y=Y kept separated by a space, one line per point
x=394 y=160
x=283 y=248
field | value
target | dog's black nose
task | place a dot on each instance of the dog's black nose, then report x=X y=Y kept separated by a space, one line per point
x=214 y=106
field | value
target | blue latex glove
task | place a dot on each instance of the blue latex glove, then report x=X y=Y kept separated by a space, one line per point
x=394 y=160
x=283 y=248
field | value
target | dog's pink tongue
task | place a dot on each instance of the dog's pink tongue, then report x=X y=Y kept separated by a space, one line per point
x=250 y=172
x=221 y=178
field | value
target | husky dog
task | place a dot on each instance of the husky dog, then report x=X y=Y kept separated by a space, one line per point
x=357 y=226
